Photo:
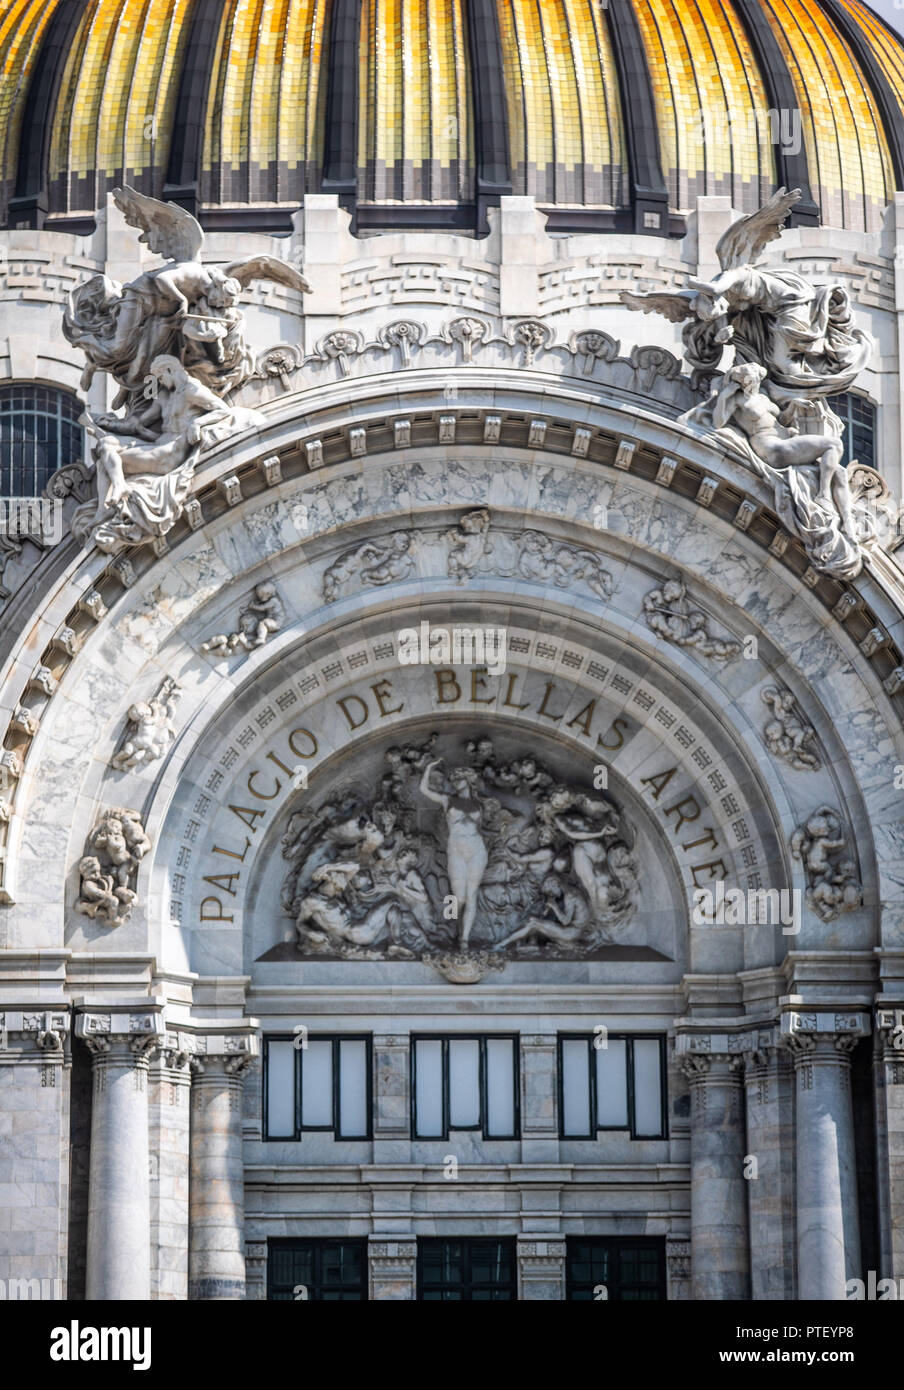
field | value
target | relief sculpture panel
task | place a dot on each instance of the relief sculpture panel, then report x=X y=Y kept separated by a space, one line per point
x=464 y=856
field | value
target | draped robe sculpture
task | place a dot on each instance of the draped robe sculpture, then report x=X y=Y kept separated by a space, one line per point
x=795 y=344
x=173 y=341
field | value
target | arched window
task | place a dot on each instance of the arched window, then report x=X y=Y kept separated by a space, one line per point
x=859 y=416
x=39 y=432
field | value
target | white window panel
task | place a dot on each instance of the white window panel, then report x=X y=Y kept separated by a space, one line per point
x=500 y=1086
x=647 y=1088
x=317 y=1084
x=281 y=1090
x=576 y=1086
x=464 y=1083
x=612 y=1085
x=428 y=1096
x=352 y=1087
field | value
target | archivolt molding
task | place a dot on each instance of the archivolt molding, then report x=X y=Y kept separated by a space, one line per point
x=155 y=628
x=577 y=455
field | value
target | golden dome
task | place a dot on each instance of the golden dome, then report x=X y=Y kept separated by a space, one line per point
x=614 y=114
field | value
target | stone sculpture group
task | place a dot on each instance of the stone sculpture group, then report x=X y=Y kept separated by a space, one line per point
x=512 y=861
x=795 y=344
x=173 y=341
x=483 y=860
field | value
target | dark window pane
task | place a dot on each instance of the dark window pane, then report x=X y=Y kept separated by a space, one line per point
x=476 y=1271
x=626 y=1268
x=330 y=1271
x=38 y=435
x=859 y=417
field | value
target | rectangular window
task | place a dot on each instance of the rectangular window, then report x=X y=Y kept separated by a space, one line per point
x=859 y=417
x=317 y=1271
x=324 y=1085
x=465 y=1082
x=621 y=1269
x=466 y=1271
x=619 y=1085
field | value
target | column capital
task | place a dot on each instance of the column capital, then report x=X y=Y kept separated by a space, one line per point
x=700 y=1054
x=122 y=1031
x=890 y=1027
x=33 y=1034
x=890 y=1041
x=231 y=1050
x=834 y=1031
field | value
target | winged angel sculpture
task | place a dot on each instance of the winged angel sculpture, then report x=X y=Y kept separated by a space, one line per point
x=795 y=344
x=174 y=342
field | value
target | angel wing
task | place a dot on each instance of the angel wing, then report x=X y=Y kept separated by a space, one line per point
x=165 y=227
x=268 y=268
x=674 y=307
x=746 y=239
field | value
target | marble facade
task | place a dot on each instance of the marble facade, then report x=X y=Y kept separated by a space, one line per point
x=425 y=377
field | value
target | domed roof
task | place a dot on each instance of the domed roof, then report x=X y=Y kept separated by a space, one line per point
x=613 y=114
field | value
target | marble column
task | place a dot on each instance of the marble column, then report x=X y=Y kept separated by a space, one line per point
x=168 y=1115
x=889 y=1082
x=121 y=1039
x=392 y=1268
x=828 y=1227
x=541 y=1269
x=34 y=1151
x=769 y=1091
x=720 y=1260
x=216 y=1245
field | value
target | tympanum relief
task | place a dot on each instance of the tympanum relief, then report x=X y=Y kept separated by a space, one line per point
x=462 y=858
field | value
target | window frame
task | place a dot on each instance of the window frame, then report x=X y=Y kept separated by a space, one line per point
x=841 y=404
x=482 y=1039
x=60 y=420
x=302 y=1129
x=630 y=1128
x=425 y=1242
x=618 y=1243
x=318 y=1243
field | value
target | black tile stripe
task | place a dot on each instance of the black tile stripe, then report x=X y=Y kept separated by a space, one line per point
x=792 y=169
x=183 y=170
x=649 y=192
x=30 y=204
x=340 y=156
